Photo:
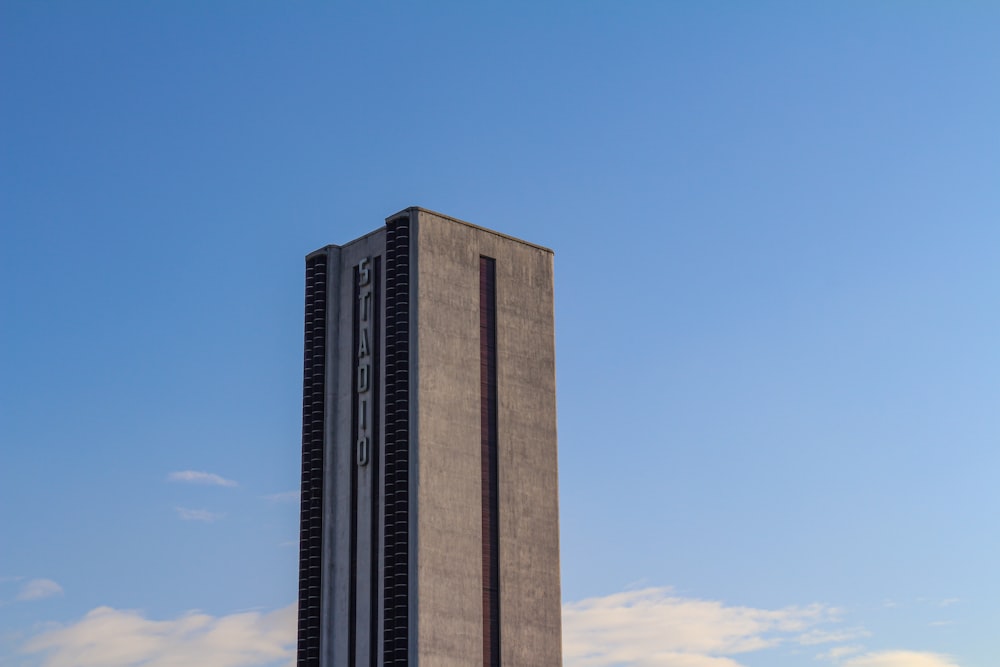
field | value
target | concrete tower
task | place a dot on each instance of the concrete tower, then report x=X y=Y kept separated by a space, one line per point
x=430 y=522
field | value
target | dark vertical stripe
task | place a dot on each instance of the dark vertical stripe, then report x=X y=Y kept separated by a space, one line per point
x=352 y=589
x=395 y=595
x=376 y=320
x=313 y=427
x=488 y=457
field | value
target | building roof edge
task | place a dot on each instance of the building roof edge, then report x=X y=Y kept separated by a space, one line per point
x=320 y=251
x=419 y=209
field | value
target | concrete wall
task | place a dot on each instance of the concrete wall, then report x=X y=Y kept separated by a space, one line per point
x=448 y=497
x=448 y=494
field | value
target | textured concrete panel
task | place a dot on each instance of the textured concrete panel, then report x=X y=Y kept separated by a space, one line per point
x=449 y=495
x=530 y=606
x=448 y=554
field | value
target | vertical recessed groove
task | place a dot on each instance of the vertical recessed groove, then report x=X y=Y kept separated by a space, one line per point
x=352 y=587
x=376 y=320
x=488 y=458
x=313 y=426
x=395 y=591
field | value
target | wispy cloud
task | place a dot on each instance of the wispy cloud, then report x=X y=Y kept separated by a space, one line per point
x=198 y=515
x=36 y=589
x=921 y=602
x=818 y=636
x=283 y=497
x=108 y=637
x=838 y=652
x=654 y=628
x=199 y=477
x=900 y=659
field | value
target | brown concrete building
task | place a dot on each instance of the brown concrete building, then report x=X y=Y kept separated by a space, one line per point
x=430 y=523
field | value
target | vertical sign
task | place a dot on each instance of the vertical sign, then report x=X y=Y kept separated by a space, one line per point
x=363 y=362
x=365 y=564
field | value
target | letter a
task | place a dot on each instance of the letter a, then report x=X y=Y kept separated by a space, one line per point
x=363 y=345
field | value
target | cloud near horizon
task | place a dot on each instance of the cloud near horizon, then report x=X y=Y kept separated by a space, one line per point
x=108 y=637
x=200 y=477
x=642 y=628
x=654 y=628
x=900 y=659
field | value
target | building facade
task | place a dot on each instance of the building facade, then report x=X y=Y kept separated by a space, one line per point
x=429 y=519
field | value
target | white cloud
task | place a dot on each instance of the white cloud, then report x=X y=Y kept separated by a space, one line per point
x=199 y=477
x=283 y=497
x=198 y=515
x=36 y=589
x=108 y=637
x=652 y=628
x=840 y=652
x=900 y=659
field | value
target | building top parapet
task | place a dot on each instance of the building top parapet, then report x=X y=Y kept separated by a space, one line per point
x=417 y=209
x=408 y=210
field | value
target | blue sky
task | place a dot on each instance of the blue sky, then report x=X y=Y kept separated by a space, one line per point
x=776 y=228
